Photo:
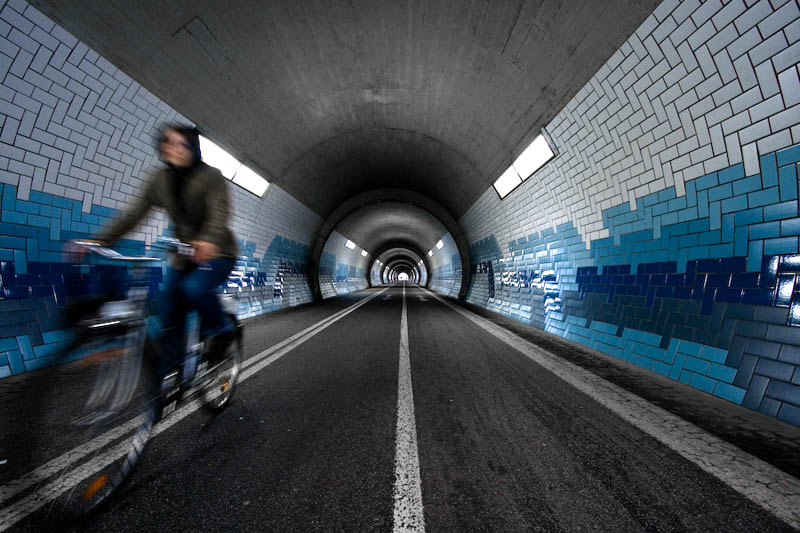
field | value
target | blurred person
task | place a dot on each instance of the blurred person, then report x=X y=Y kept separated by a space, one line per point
x=195 y=196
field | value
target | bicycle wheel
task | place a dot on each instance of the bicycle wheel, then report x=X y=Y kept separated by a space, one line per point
x=93 y=416
x=219 y=378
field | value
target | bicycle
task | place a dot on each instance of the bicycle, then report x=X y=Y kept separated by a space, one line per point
x=100 y=390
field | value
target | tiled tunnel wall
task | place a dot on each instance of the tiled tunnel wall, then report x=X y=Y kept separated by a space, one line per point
x=341 y=270
x=75 y=145
x=665 y=231
x=445 y=267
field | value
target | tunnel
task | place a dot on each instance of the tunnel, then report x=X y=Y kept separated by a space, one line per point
x=518 y=265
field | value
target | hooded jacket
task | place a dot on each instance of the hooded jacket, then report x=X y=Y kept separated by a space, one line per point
x=198 y=206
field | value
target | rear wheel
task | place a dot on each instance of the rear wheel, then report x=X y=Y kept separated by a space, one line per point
x=93 y=416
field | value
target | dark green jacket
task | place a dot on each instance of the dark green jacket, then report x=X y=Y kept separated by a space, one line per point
x=203 y=216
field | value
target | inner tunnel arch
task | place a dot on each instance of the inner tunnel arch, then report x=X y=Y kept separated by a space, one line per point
x=370 y=199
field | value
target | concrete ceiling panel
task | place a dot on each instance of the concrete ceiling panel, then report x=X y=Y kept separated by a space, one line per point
x=329 y=99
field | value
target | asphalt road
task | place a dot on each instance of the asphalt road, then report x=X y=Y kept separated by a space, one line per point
x=309 y=442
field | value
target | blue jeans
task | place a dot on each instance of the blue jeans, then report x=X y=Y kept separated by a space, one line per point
x=194 y=289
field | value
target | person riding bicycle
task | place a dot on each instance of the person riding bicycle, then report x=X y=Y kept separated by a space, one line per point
x=197 y=201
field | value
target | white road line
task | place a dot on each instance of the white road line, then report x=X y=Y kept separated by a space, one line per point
x=760 y=482
x=408 y=515
x=20 y=509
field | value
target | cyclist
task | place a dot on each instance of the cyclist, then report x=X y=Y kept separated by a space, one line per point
x=196 y=198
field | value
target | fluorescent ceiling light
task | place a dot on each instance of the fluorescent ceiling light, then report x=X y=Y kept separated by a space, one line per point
x=439 y=245
x=507 y=182
x=350 y=244
x=250 y=181
x=231 y=168
x=215 y=156
x=363 y=253
x=430 y=253
x=533 y=157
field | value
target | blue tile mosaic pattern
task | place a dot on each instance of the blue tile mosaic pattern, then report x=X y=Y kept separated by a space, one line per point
x=34 y=282
x=714 y=271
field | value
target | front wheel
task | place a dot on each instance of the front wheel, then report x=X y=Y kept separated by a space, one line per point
x=220 y=375
x=92 y=416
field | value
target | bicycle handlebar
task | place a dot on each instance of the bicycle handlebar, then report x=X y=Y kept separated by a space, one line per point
x=99 y=249
x=179 y=246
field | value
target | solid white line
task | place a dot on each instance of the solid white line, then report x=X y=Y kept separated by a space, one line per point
x=12 y=514
x=408 y=515
x=760 y=482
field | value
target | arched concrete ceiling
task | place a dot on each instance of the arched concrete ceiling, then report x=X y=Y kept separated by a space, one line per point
x=327 y=99
x=375 y=226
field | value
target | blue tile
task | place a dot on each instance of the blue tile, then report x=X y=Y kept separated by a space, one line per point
x=755 y=392
x=787 y=181
x=755 y=253
x=13 y=217
x=790 y=413
x=703 y=383
x=749 y=216
x=15 y=361
x=9 y=197
x=25 y=348
x=707 y=181
x=769 y=170
x=789 y=263
x=767 y=230
x=715 y=215
x=715 y=355
x=738 y=203
x=727 y=228
x=702 y=204
x=780 y=211
x=764 y=197
x=689 y=348
x=788 y=155
x=730 y=393
x=749 y=184
x=783 y=294
x=745 y=280
x=734 y=172
x=720 y=193
x=783 y=245
x=722 y=373
x=40 y=198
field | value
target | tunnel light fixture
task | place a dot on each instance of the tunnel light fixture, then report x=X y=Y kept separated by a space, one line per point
x=250 y=181
x=231 y=168
x=364 y=253
x=529 y=161
x=507 y=182
x=350 y=244
x=533 y=157
x=430 y=253
x=439 y=245
x=215 y=156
